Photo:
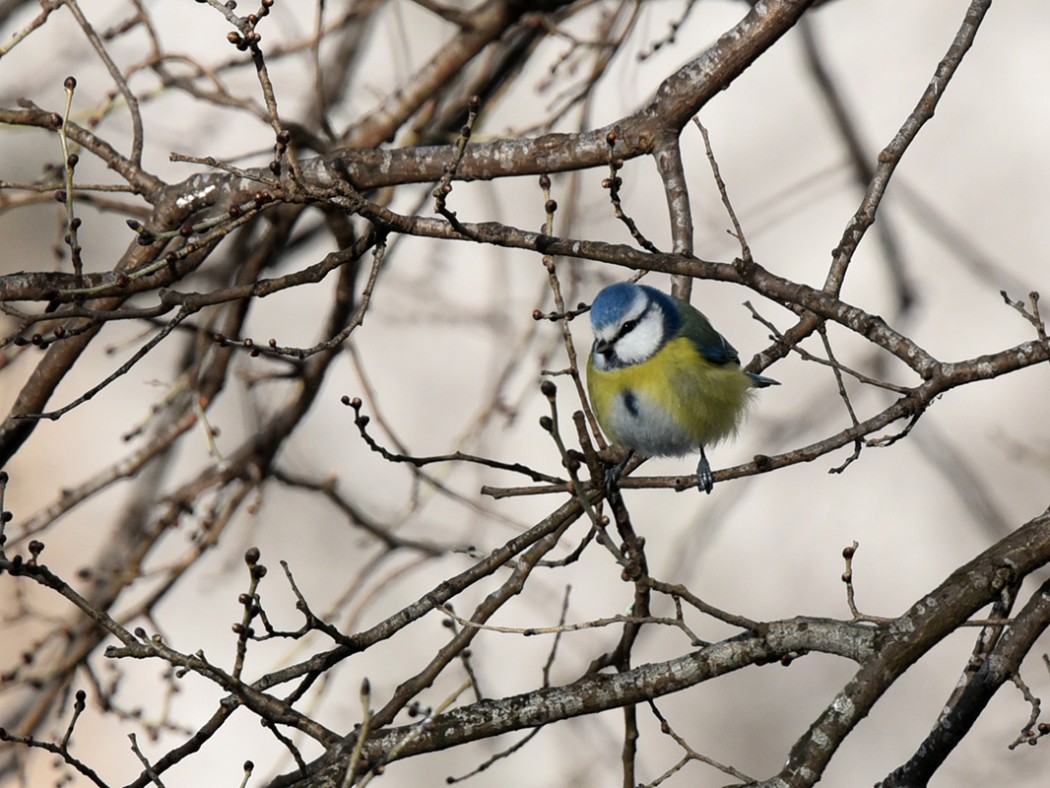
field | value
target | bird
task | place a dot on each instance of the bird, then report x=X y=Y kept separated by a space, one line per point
x=661 y=380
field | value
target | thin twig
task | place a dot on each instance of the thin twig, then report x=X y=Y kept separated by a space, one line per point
x=738 y=231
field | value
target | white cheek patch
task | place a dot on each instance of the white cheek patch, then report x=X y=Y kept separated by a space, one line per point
x=642 y=343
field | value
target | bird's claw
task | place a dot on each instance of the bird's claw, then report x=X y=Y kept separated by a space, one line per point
x=612 y=476
x=705 y=477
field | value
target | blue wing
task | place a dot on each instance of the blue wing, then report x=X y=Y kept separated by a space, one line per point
x=713 y=346
x=709 y=343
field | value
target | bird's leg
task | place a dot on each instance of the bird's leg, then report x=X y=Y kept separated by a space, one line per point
x=705 y=477
x=612 y=475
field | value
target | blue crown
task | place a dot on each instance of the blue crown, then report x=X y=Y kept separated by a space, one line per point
x=611 y=303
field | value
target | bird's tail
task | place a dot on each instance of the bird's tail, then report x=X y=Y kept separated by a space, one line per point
x=760 y=381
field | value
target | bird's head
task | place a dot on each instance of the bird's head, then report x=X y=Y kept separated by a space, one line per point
x=631 y=323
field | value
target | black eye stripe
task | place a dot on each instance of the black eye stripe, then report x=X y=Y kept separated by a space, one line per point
x=631 y=325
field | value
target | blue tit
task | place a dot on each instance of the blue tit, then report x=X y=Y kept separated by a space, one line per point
x=661 y=380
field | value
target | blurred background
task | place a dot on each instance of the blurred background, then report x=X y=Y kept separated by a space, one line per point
x=449 y=358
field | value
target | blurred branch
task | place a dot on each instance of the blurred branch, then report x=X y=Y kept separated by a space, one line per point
x=891 y=155
x=863 y=171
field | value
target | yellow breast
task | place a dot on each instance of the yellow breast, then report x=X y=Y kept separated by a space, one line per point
x=671 y=404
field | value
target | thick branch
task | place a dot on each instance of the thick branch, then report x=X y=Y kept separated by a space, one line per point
x=997 y=668
x=600 y=692
x=930 y=620
x=676 y=101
